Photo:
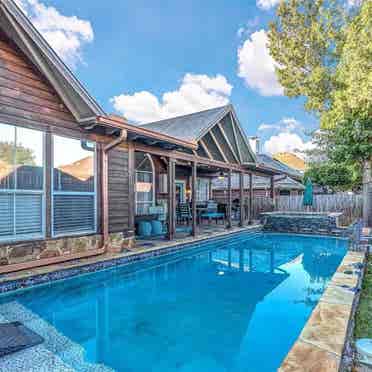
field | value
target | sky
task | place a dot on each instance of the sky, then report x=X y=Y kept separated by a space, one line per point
x=149 y=60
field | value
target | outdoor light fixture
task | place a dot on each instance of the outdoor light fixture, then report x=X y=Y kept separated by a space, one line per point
x=221 y=176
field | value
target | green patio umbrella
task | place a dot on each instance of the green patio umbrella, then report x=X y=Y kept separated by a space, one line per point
x=308 y=194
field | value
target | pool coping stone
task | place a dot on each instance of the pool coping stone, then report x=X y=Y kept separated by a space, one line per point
x=321 y=344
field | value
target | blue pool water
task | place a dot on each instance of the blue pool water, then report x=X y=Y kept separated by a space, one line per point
x=232 y=305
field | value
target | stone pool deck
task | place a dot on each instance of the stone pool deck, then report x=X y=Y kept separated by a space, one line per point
x=142 y=250
x=323 y=343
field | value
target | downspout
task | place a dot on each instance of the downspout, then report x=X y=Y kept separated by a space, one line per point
x=105 y=197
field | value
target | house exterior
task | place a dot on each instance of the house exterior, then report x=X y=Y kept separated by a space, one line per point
x=73 y=180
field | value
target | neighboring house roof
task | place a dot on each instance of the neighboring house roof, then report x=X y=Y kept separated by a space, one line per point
x=268 y=161
x=280 y=182
x=217 y=132
x=292 y=160
x=19 y=28
x=81 y=169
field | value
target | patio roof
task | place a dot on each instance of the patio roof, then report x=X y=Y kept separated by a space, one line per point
x=216 y=132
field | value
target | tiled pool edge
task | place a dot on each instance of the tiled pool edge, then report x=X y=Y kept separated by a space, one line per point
x=73 y=268
x=323 y=342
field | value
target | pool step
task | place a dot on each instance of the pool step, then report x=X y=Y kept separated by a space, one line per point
x=57 y=348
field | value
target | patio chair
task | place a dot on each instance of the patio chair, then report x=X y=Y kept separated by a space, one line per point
x=183 y=213
x=212 y=212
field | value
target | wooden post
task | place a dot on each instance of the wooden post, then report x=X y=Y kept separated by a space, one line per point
x=229 y=200
x=171 y=199
x=272 y=190
x=105 y=199
x=48 y=184
x=131 y=187
x=193 y=197
x=250 y=198
x=241 y=196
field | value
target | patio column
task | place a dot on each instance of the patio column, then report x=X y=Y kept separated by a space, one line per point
x=48 y=184
x=193 y=196
x=171 y=198
x=131 y=186
x=250 y=198
x=229 y=200
x=241 y=196
x=272 y=196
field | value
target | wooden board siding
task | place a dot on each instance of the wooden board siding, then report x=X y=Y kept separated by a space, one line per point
x=118 y=190
x=26 y=97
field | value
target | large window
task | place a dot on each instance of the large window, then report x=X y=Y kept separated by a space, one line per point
x=145 y=190
x=202 y=189
x=74 y=186
x=21 y=183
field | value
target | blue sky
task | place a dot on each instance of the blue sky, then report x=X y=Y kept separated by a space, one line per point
x=153 y=59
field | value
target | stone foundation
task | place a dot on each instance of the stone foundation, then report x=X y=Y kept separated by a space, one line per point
x=118 y=242
x=21 y=252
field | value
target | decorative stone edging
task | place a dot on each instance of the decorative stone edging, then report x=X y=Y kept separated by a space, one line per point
x=79 y=267
x=321 y=344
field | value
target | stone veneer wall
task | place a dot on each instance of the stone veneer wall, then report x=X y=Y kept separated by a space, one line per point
x=15 y=253
x=298 y=224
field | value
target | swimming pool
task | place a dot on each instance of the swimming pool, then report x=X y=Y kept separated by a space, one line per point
x=234 y=304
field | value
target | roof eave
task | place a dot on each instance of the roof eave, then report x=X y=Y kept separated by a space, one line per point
x=121 y=124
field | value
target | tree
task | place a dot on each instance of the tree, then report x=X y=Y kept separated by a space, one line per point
x=324 y=53
x=306 y=40
x=24 y=155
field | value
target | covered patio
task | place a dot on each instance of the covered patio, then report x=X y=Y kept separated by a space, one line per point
x=173 y=188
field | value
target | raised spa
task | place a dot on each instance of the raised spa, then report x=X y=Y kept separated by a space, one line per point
x=307 y=222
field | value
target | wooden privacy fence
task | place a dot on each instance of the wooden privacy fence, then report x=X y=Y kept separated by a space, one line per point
x=351 y=205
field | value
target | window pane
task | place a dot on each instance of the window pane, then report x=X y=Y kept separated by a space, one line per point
x=7 y=152
x=73 y=213
x=202 y=190
x=142 y=162
x=144 y=187
x=6 y=215
x=29 y=159
x=29 y=212
x=143 y=208
x=73 y=165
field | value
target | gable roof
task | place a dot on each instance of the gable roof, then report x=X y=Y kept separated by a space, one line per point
x=19 y=28
x=201 y=127
x=269 y=162
x=190 y=127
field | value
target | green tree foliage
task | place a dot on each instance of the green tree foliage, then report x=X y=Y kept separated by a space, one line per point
x=24 y=155
x=306 y=41
x=337 y=177
x=324 y=53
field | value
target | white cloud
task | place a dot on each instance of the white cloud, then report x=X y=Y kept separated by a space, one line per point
x=287 y=135
x=66 y=34
x=267 y=4
x=286 y=142
x=196 y=92
x=249 y=27
x=284 y=125
x=257 y=67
